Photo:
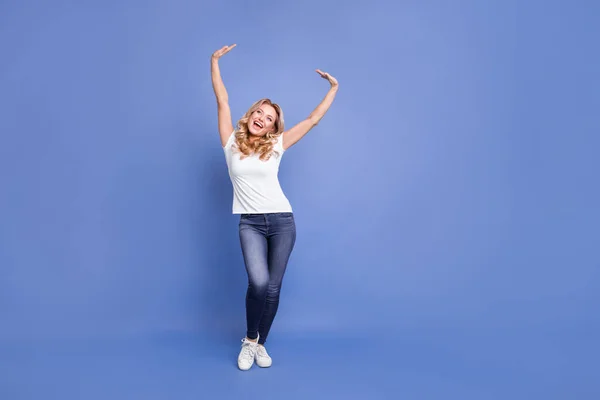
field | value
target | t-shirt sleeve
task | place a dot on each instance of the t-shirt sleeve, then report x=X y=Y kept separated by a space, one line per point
x=279 y=145
x=229 y=141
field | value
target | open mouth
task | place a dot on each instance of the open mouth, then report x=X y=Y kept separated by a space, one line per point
x=258 y=125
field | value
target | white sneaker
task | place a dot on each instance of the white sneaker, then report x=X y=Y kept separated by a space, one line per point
x=246 y=356
x=262 y=358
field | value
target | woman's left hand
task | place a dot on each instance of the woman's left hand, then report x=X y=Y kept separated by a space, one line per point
x=331 y=79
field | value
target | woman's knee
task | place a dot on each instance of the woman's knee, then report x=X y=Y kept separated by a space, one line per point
x=259 y=285
x=273 y=290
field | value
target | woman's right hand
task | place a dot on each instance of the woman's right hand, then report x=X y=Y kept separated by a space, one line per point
x=222 y=51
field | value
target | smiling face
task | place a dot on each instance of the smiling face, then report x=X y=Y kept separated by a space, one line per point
x=262 y=120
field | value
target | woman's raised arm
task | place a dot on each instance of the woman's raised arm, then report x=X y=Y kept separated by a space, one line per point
x=298 y=131
x=224 y=113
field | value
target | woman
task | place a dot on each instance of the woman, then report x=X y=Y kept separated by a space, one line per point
x=267 y=227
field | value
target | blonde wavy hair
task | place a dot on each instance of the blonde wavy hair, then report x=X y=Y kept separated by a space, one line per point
x=263 y=145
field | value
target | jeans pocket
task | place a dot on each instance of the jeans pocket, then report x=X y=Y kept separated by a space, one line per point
x=286 y=218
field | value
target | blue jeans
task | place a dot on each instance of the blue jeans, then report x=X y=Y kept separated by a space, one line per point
x=267 y=242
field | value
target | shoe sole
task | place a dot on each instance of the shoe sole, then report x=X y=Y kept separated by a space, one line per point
x=263 y=366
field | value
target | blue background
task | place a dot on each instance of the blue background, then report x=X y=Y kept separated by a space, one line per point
x=447 y=204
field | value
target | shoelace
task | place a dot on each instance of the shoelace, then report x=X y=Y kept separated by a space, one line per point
x=262 y=352
x=248 y=349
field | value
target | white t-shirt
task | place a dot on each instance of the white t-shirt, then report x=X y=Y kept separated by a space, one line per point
x=256 y=188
